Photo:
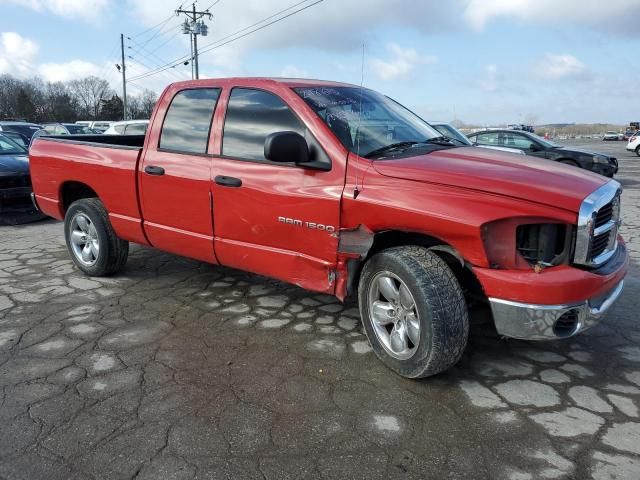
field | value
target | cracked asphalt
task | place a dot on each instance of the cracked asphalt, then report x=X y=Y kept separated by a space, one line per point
x=176 y=369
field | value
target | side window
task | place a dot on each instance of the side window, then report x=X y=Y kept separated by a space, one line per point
x=515 y=140
x=119 y=129
x=188 y=120
x=251 y=116
x=489 y=138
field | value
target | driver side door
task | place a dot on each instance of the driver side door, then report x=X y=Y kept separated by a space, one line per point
x=275 y=219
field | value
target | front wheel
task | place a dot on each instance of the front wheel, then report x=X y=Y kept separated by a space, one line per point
x=93 y=244
x=414 y=311
x=638 y=150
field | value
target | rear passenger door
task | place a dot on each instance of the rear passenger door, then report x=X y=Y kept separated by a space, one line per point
x=174 y=176
x=275 y=219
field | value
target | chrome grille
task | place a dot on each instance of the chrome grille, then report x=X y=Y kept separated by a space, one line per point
x=598 y=222
x=604 y=215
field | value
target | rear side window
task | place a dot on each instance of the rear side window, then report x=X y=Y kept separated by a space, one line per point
x=188 y=120
x=251 y=116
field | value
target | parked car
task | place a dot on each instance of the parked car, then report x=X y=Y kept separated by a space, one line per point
x=341 y=190
x=15 y=184
x=536 y=146
x=634 y=143
x=612 y=136
x=66 y=129
x=97 y=125
x=452 y=132
x=128 y=127
x=25 y=129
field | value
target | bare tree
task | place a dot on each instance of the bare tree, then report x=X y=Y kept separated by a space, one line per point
x=90 y=92
x=148 y=101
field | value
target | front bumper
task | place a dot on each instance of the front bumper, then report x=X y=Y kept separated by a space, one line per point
x=607 y=170
x=548 y=322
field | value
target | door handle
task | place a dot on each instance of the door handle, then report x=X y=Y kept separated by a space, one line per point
x=228 y=181
x=151 y=170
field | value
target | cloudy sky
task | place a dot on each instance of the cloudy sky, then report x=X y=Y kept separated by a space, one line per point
x=480 y=61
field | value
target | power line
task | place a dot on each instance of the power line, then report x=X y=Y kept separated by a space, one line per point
x=182 y=59
x=162 y=31
x=149 y=56
x=212 y=5
x=237 y=35
x=163 y=22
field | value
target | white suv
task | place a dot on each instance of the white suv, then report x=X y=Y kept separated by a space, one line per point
x=634 y=143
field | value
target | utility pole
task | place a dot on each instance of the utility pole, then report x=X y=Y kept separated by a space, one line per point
x=194 y=27
x=195 y=47
x=124 y=79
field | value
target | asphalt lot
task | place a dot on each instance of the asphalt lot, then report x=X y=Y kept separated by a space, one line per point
x=178 y=370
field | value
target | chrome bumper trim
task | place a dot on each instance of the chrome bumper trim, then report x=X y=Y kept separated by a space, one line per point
x=34 y=201
x=537 y=322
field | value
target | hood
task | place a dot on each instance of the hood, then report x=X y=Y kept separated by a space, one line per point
x=14 y=164
x=526 y=178
x=581 y=151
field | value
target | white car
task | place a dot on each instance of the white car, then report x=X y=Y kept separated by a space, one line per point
x=612 y=136
x=128 y=127
x=634 y=143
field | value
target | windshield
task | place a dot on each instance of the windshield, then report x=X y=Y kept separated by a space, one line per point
x=9 y=147
x=365 y=121
x=451 y=132
x=545 y=142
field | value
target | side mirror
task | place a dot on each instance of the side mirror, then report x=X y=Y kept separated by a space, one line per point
x=534 y=147
x=286 y=147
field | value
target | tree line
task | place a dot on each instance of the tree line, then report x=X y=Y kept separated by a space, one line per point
x=89 y=98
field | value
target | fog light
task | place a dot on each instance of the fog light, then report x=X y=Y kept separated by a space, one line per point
x=567 y=325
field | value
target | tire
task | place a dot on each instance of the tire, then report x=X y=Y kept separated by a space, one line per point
x=87 y=230
x=440 y=311
x=638 y=150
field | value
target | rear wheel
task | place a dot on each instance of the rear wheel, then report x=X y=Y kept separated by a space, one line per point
x=93 y=244
x=413 y=310
x=638 y=150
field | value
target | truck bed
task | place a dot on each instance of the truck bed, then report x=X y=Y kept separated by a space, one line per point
x=107 y=141
x=61 y=166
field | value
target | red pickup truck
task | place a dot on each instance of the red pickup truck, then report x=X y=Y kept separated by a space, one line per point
x=339 y=189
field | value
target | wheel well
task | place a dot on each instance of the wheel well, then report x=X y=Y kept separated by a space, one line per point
x=470 y=284
x=72 y=191
x=568 y=160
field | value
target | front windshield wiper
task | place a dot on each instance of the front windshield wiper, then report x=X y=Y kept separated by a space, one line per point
x=444 y=140
x=388 y=148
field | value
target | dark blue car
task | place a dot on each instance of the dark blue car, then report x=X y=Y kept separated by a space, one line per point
x=15 y=184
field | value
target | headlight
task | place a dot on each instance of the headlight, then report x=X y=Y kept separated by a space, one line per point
x=601 y=159
x=520 y=243
x=544 y=243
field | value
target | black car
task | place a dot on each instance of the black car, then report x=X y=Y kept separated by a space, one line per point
x=15 y=184
x=25 y=129
x=536 y=146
